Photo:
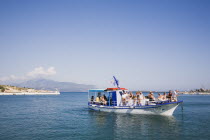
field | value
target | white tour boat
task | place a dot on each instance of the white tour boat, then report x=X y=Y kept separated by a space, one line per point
x=115 y=102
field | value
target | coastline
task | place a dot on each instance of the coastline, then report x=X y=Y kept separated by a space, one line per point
x=13 y=90
x=30 y=93
x=195 y=93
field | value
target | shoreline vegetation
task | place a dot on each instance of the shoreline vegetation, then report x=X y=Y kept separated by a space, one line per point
x=200 y=91
x=14 y=90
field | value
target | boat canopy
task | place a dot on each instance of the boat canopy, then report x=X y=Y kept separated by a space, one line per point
x=107 y=89
x=96 y=90
x=116 y=89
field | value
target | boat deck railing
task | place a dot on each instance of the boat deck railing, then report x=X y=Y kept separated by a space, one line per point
x=148 y=103
x=113 y=103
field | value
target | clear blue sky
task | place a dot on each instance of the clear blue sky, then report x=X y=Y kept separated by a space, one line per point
x=146 y=44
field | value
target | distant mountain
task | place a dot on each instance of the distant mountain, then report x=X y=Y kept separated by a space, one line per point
x=46 y=84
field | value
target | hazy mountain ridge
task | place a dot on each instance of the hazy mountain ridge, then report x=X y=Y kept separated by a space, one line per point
x=47 y=84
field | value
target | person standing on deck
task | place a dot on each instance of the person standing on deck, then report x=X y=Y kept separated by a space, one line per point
x=169 y=96
x=174 y=95
x=141 y=98
x=124 y=96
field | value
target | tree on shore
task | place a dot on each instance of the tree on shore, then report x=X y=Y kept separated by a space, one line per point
x=2 y=89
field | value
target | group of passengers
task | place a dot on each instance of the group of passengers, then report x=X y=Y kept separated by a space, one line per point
x=128 y=98
x=100 y=99
x=171 y=96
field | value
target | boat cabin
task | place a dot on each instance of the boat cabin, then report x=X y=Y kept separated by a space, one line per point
x=112 y=96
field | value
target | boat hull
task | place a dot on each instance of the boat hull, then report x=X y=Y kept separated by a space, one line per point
x=162 y=109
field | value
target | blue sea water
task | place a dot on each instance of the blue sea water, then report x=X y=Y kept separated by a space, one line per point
x=66 y=117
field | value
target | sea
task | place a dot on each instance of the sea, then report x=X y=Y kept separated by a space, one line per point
x=67 y=117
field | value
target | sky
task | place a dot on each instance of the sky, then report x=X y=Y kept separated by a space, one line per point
x=146 y=44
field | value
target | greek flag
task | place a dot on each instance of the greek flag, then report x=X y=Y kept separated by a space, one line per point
x=116 y=82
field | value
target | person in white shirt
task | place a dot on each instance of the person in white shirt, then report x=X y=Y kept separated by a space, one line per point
x=124 y=97
x=174 y=95
x=141 y=98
